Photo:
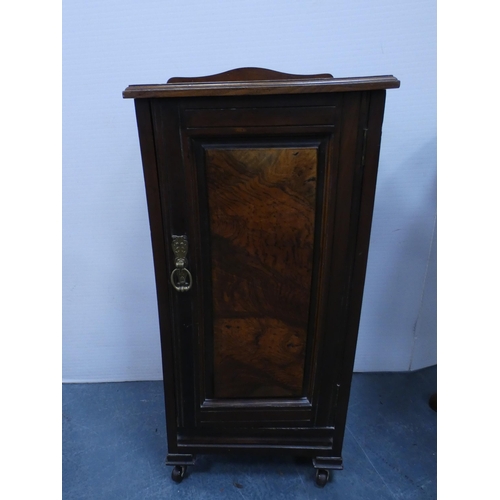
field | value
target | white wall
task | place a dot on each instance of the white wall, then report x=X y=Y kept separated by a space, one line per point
x=424 y=342
x=110 y=329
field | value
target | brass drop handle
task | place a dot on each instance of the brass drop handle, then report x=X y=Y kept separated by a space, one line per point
x=180 y=277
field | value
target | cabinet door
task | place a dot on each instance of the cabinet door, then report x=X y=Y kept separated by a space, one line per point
x=263 y=191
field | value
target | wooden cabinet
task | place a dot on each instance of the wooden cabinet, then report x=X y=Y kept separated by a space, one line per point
x=260 y=189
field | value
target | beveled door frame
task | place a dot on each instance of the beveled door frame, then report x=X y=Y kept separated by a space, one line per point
x=194 y=141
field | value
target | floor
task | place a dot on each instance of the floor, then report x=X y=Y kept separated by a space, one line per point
x=114 y=448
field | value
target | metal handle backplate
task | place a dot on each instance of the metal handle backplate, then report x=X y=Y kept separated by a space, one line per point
x=180 y=277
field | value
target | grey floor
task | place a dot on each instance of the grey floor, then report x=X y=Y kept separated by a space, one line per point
x=114 y=448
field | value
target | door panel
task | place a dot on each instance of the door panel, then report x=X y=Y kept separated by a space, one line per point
x=257 y=199
x=260 y=221
x=261 y=209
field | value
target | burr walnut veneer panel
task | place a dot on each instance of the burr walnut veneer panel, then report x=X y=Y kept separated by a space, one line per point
x=262 y=210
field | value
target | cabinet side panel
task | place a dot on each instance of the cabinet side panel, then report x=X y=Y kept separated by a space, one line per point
x=375 y=102
x=262 y=209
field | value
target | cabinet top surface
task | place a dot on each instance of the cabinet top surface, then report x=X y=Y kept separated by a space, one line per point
x=257 y=81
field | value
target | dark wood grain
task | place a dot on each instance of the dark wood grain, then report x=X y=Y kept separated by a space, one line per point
x=359 y=244
x=261 y=87
x=176 y=219
x=248 y=74
x=157 y=223
x=271 y=177
x=261 y=204
x=260 y=117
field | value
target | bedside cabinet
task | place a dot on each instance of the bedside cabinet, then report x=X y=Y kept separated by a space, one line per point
x=260 y=189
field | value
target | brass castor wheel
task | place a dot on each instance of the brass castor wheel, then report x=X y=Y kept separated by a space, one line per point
x=178 y=473
x=322 y=476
